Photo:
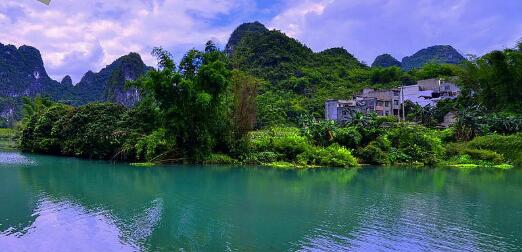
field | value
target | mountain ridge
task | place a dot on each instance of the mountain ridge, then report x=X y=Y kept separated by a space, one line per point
x=22 y=73
x=286 y=63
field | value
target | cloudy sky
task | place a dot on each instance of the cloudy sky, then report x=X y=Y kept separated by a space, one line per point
x=75 y=36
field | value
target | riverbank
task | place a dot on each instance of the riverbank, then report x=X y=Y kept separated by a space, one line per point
x=384 y=143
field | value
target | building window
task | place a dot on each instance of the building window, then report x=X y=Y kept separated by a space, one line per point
x=396 y=102
x=387 y=104
x=379 y=103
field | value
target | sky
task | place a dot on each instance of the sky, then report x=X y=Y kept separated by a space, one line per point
x=76 y=36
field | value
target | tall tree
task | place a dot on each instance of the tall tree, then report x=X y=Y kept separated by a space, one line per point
x=192 y=98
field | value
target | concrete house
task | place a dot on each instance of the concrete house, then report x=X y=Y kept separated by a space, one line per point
x=342 y=111
x=389 y=101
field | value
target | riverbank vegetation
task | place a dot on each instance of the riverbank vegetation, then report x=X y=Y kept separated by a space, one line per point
x=7 y=139
x=212 y=108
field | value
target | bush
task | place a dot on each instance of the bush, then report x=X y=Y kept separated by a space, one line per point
x=320 y=132
x=376 y=153
x=348 y=137
x=263 y=157
x=334 y=155
x=446 y=135
x=152 y=145
x=509 y=146
x=216 y=158
x=474 y=154
x=286 y=141
x=415 y=144
x=504 y=124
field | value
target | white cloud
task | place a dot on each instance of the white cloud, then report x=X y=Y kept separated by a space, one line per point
x=293 y=19
x=76 y=36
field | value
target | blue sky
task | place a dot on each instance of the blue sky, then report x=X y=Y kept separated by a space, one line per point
x=76 y=36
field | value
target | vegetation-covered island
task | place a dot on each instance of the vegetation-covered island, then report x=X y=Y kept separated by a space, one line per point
x=261 y=100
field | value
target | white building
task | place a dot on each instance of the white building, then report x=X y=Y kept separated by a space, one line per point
x=389 y=101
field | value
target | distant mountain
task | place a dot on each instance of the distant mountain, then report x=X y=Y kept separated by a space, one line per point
x=66 y=81
x=443 y=54
x=386 y=60
x=109 y=83
x=22 y=73
x=242 y=31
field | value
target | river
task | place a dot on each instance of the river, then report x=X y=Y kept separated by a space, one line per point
x=67 y=204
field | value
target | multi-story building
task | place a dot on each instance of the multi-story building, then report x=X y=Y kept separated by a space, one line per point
x=342 y=110
x=389 y=101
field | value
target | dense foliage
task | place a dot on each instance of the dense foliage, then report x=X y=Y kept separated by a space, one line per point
x=495 y=80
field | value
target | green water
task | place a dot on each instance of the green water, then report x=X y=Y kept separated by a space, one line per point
x=65 y=204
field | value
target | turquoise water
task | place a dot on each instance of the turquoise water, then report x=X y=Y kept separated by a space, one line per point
x=65 y=204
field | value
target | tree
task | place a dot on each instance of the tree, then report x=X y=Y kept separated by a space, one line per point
x=192 y=98
x=495 y=80
x=244 y=112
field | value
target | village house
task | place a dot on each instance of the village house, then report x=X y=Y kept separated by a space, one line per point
x=388 y=102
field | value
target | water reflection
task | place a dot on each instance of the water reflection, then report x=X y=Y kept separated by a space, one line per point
x=64 y=226
x=64 y=204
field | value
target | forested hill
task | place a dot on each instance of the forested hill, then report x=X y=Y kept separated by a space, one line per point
x=442 y=54
x=386 y=60
x=109 y=83
x=22 y=73
x=296 y=81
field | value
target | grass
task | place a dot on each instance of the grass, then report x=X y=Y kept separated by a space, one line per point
x=145 y=164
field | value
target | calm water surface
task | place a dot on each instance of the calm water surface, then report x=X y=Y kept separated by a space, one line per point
x=65 y=204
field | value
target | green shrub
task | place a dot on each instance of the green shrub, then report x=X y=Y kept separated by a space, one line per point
x=485 y=155
x=376 y=153
x=216 y=158
x=446 y=135
x=334 y=155
x=508 y=146
x=320 y=132
x=348 y=137
x=283 y=140
x=151 y=146
x=416 y=144
x=263 y=157
x=387 y=120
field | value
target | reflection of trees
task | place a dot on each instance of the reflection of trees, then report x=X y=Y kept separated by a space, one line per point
x=16 y=201
x=216 y=208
